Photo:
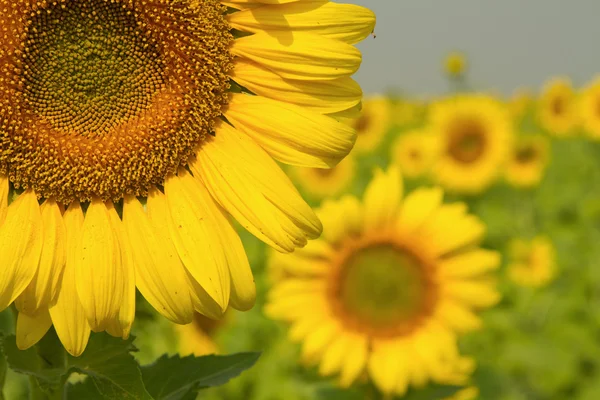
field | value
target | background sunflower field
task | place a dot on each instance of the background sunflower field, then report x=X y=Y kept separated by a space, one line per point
x=529 y=169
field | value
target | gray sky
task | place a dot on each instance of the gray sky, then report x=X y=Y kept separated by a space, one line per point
x=509 y=43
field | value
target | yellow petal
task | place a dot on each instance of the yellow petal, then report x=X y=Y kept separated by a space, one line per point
x=20 y=246
x=388 y=366
x=121 y=327
x=30 y=329
x=418 y=207
x=345 y=22
x=317 y=341
x=469 y=264
x=293 y=135
x=158 y=213
x=480 y=294
x=341 y=218
x=4 y=189
x=99 y=272
x=334 y=354
x=324 y=97
x=252 y=188
x=382 y=199
x=301 y=56
x=355 y=360
x=68 y=315
x=160 y=275
x=43 y=288
x=458 y=316
x=194 y=221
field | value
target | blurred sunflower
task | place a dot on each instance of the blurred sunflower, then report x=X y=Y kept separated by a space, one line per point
x=528 y=161
x=474 y=133
x=455 y=64
x=407 y=112
x=532 y=263
x=589 y=108
x=388 y=287
x=319 y=183
x=520 y=102
x=414 y=152
x=373 y=123
x=111 y=117
x=197 y=338
x=556 y=110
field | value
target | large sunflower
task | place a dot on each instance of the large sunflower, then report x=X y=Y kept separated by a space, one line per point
x=474 y=133
x=556 y=110
x=528 y=161
x=589 y=109
x=388 y=288
x=118 y=171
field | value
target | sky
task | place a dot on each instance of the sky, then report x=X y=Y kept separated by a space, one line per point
x=509 y=43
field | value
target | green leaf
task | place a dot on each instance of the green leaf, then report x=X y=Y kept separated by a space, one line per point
x=3 y=369
x=431 y=391
x=107 y=362
x=109 y=365
x=83 y=390
x=29 y=362
x=176 y=378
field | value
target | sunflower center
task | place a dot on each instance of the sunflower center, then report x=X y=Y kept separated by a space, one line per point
x=467 y=141
x=103 y=98
x=384 y=290
x=526 y=154
x=558 y=106
x=89 y=67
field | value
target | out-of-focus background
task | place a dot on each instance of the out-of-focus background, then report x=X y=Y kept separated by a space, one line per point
x=510 y=43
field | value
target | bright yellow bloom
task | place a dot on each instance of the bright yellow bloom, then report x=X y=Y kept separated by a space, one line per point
x=455 y=64
x=474 y=133
x=589 y=109
x=532 y=263
x=520 y=102
x=373 y=123
x=113 y=121
x=388 y=288
x=414 y=152
x=556 y=111
x=528 y=161
x=407 y=112
x=197 y=338
x=320 y=183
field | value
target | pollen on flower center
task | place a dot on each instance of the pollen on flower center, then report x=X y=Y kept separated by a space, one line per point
x=103 y=98
x=384 y=290
x=466 y=141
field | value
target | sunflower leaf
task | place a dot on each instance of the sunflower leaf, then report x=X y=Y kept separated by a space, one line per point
x=431 y=391
x=108 y=364
x=31 y=363
x=177 y=378
x=3 y=369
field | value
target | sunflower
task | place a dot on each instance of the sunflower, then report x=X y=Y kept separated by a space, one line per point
x=528 y=161
x=474 y=133
x=388 y=288
x=372 y=124
x=197 y=338
x=319 y=183
x=118 y=170
x=556 y=111
x=532 y=263
x=407 y=112
x=414 y=152
x=589 y=109
x=520 y=102
x=455 y=64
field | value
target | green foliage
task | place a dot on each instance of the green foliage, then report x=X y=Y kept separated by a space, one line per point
x=107 y=370
x=176 y=378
